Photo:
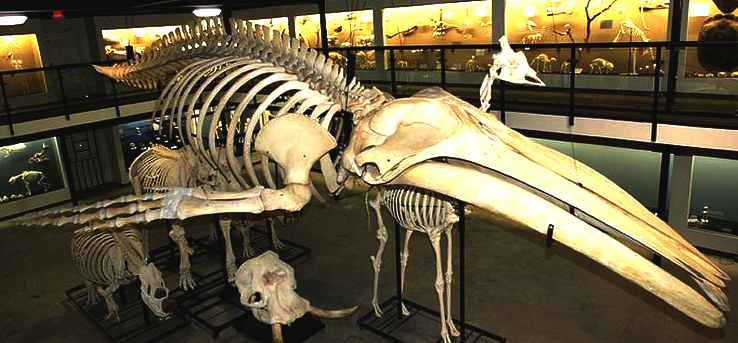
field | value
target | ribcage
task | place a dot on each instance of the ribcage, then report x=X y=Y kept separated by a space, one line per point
x=159 y=168
x=98 y=258
x=418 y=209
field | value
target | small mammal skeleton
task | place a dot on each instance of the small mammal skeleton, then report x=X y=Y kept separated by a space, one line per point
x=30 y=177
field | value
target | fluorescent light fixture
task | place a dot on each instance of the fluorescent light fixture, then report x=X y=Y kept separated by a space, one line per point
x=699 y=10
x=206 y=12
x=8 y=20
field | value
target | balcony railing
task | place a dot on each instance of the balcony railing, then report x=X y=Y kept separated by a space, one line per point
x=658 y=84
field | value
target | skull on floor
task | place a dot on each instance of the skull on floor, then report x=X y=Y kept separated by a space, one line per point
x=153 y=290
x=267 y=286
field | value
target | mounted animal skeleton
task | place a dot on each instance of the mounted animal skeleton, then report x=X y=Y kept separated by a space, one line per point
x=431 y=143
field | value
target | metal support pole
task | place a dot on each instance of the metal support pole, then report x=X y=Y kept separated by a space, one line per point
x=656 y=91
x=572 y=78
x=662 y=210
x=398 y=273
x=7 y=105
x=63 y=93
x=676 y=24
x=443 y=68
x=462 y=272
x=226 y=16
x=115 y=98
x=323 y=27
x=503 y=115
x=393 y=76
x=65 y=160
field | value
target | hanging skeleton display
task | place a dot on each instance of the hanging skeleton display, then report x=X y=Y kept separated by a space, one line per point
x=107 y=260
x=629 y=31
x=31 y=178
x=267 y=287
x=440 y=27
x=431 y=141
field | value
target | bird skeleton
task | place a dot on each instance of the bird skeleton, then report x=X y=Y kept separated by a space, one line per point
x=431 y=141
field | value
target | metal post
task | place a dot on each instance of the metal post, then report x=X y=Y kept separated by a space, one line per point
x=572 y=78
x=398 y=273
x=503 y=116
x=462 y=267
x=350 y=65
x=65 y=160
x=63 y=93
x=323 y=27
x=443 y=68
x=656 y=91
x=393 y=76
x=7 y=105
x=226 y=16
x=661 y=210
x=676 y=24
x=115 y=98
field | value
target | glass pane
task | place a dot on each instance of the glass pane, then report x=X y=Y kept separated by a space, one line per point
x=557 y=21
x=21 y=52
x=30 y=168
x=116 y=40
x=714 y=194
x=279 y=24
x=354 y=28
x=635 y=171
x=450 y=23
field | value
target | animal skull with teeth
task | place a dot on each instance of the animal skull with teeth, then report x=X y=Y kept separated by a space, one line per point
x=267 y=286
x=153 y=290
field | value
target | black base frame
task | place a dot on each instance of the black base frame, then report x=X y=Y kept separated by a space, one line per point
x=387 y=326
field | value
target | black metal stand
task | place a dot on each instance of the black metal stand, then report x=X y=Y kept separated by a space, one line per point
x=136 y=325
x=387 y=326
x=299 y=331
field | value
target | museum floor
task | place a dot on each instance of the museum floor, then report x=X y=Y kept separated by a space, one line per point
x=515 y=287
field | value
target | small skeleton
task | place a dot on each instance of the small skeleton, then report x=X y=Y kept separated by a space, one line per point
x=440 y=27
x=565 y=67
x=417 y=210
x=542 y=63
x=471 y=65
x=6 y=151
x=107 y=260
x=30 y=177
x=403 y=33
x=532 y=38
x=601 y=66
x=267 y=287
x=40 y=157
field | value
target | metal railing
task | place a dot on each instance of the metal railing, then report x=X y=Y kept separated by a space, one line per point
x=60 y=90
x=661 y=93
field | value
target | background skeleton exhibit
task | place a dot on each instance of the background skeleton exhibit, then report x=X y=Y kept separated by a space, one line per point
x=429 y=142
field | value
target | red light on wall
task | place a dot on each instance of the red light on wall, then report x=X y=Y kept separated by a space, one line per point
x=57 y=15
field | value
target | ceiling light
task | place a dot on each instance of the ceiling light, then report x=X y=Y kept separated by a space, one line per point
x=206 y=12
x=8 y=20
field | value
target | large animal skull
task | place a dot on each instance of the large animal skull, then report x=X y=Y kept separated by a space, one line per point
x=267 y=286
x=153 y=290
x=438 y=142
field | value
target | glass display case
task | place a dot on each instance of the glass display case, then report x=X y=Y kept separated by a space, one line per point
x=138 y=136
x=280 y=24
x=116 y=40
x=448 y=23
x=29 y=169
x=565 y=21
x=345 y=29
x=21 y=52
x=714 y=196
x=707 y=22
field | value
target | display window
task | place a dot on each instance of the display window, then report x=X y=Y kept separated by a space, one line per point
x=710 y=22
x=136 y=137
x=353 y=28
x=577 y=21
x=280 y=24
x=29 y=169
x=19 y=52
x=448 y=23
x=116 y=40
x=714 y=195
x=635 y=171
